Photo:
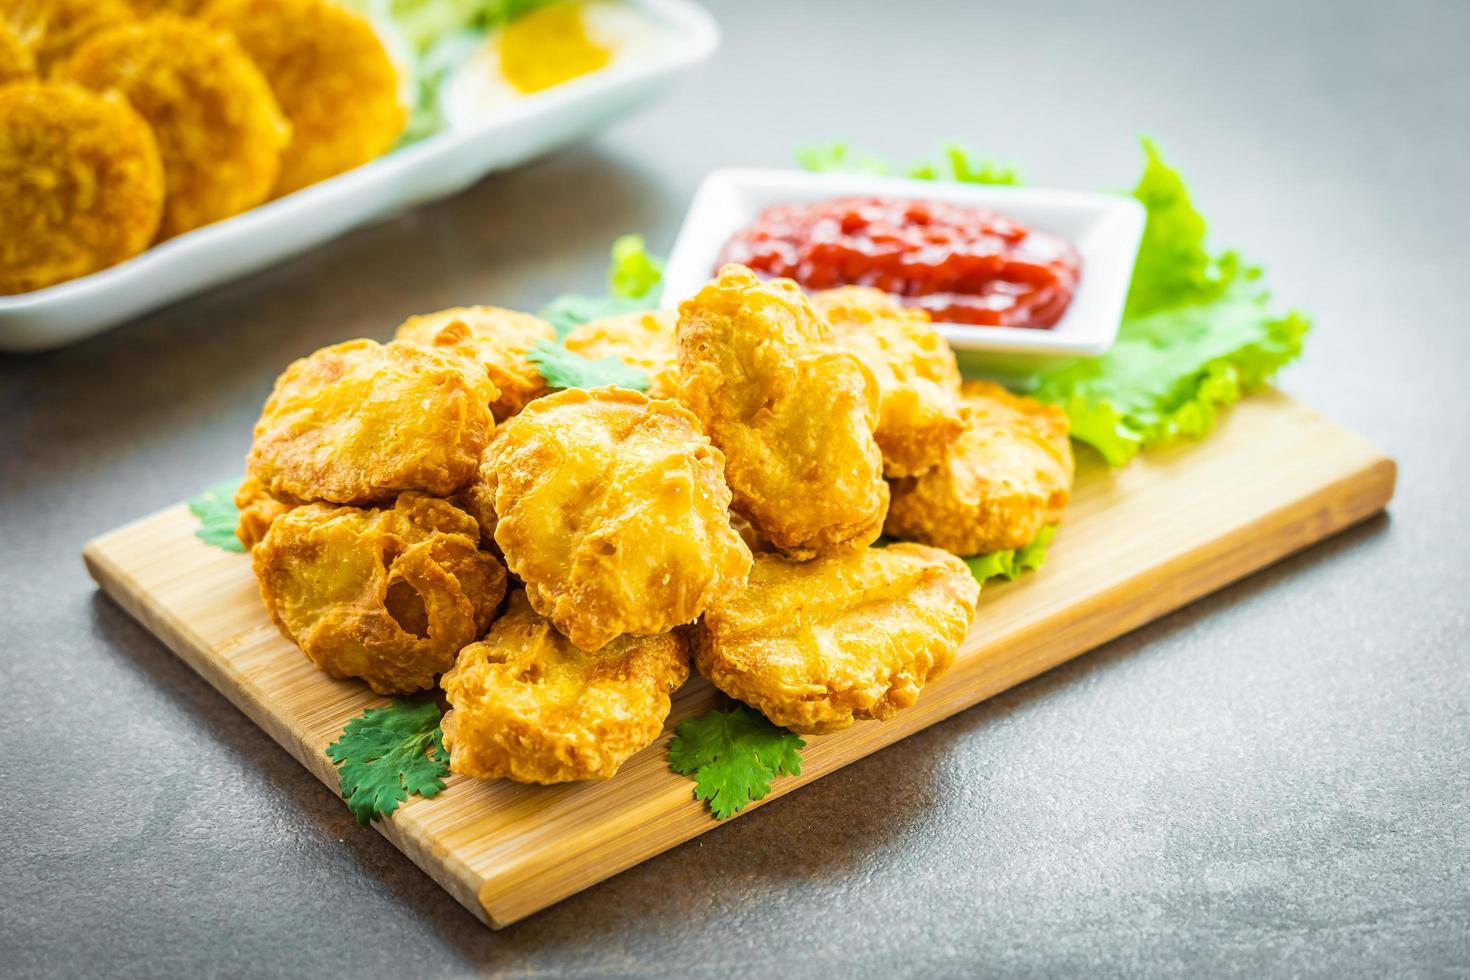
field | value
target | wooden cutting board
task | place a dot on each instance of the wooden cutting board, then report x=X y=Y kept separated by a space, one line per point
x=1137 y=543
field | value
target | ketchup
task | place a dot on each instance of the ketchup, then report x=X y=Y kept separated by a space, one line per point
x=963 y=265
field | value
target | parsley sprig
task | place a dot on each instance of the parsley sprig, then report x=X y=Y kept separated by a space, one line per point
x=733 y=756
x=215 y=508
x=567 y=369
x=386 y=754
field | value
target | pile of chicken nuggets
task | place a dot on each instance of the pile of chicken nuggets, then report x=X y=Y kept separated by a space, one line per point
x=428 y=511
x=127 y=122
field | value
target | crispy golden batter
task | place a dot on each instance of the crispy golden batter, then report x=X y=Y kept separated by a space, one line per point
x=218 y=127
x=814 y=645
x=528 y=705
x=258 y=510
x=81 y=187
x=16 y=62
x=647 y=340
x=613 y=509
x=918 y=378
x=499 y=339
x=52 y=29
x=1008 y=476
x=331 y=75
x=187 y=8
x=359 y=422
x=387 y=595
x=793 y=416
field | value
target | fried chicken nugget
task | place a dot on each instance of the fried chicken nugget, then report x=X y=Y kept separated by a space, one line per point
x=52 y=29
x=16 y=62
x=388 y=595
x=1008 y=476
x=647 y=340
x=258 y=510
x=814 y=645
x=81 y=185
x=499 y=339
x=359 y=422
x=793 y=416
x=918 y=377
x=613 y=509
x=218 y=126
x=332 y=76
x=528 y=705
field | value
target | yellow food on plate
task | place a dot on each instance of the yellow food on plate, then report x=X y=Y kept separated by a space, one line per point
x=360 y=422
x=814 y=645
x=793 y=415
x=331 y=75
x=1007 y=476
x=548 y=46
x=52 y=29
x=647 y=340
x=499 y=339
x=219 y=129
x=16 y=62
x=81 y=185
x=386 y=595
x=526 y=704
x=918 y=377
x=613 y=509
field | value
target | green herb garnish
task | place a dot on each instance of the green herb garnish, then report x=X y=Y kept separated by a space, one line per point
x=385 y=754
x=634 y=278
x=733 y=756
x=566 y=369
x=215 y=508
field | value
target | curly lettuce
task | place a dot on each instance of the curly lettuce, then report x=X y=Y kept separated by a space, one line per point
x=955 y=162
x=1199 y=331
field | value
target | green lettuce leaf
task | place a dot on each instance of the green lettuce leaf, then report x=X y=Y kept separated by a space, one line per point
x=1199 y=332
x=955 y=163
x=1010 y=564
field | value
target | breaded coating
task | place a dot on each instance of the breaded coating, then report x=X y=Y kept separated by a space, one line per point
x=498 y=339
x=793 y=416
x=219 y=129
x=1008 y=476
x=81 y=185
x=258 y=510
x=331 y=75
x=526 y=704
x=187 y=8
x=814 y=645
x=647 y=340
x=52 y=29
x=918 y=377
x=16 y=62
x=388 y=595
x=613 y=509
x=359 y=422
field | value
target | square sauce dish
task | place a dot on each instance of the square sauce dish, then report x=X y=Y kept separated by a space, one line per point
x=1103 y=229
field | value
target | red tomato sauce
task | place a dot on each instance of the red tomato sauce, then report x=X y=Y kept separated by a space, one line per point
x=963 y=265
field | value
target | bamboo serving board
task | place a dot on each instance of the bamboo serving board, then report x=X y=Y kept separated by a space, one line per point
x=1137 y=543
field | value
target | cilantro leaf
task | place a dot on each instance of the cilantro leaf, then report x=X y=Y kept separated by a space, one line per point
x=215 y=508
x=567 y=369
x=733 y=756
x=634 y=278
x=385 y=754
x=1010 y=564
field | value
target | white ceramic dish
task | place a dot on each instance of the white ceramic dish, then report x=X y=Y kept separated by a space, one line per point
x=435 y=167
x=1105 y=228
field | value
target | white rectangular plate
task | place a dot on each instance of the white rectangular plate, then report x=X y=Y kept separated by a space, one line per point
x=1105 y=229
x=436 y=167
